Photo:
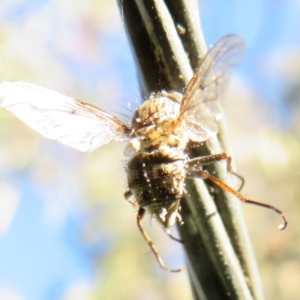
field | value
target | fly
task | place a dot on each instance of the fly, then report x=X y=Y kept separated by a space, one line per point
x=157 y=135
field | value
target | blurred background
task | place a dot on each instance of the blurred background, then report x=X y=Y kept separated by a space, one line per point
x=66 y=231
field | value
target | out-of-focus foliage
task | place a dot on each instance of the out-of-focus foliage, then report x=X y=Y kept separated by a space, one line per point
x=268 y=156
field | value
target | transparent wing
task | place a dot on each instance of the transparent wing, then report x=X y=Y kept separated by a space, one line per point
x=74 y=123
x=199 y=106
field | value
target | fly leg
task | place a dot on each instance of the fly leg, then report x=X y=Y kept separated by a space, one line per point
x=129 y=197
x=140 y=215
x=174 y=238
x=205 y=160
x=205 y=175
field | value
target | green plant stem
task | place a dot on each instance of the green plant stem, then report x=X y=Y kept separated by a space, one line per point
x=168 y=44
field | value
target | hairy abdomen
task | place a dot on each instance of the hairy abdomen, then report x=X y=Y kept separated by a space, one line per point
x=157 y=177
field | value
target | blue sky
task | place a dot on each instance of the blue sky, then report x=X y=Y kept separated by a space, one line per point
x=39 y=259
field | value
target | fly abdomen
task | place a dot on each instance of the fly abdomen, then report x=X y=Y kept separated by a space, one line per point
x=156 y=177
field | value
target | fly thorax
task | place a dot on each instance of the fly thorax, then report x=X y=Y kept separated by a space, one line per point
x=159 y=111
x=156 y=122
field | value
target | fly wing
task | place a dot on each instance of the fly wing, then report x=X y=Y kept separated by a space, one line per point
x=74 y=123
x=199 y=107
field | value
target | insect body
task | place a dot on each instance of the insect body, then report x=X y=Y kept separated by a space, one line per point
x=157 y=171
x=157 y=135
